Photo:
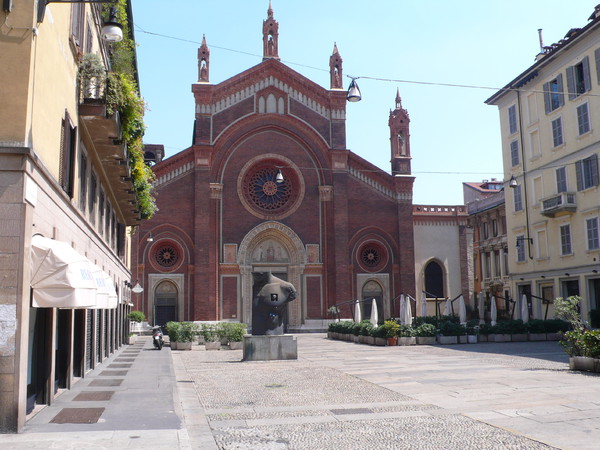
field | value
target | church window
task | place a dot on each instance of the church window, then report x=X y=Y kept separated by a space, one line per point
x=266 y=196
x=434 y=280
x=372 y=257
x=166 y=255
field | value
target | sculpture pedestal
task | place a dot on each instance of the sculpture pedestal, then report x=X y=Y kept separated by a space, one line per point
x=270 y=348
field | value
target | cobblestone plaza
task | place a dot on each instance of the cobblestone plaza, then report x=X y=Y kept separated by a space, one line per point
x=336 y=395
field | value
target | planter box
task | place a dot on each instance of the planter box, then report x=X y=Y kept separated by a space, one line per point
x=554 y=336
x=382 y=342
x=425 y=340
x=236 y=345
x=355 y=338
x=369 y=340
x=499 y=338
x=131 y=339
x=482 y=338
x=407 y=341
x=211 y=345
x=471 y=339
x=537 y=336
x=184 y=345
x=446 y=340
x=584 y=363
x=173 y=345
x=462 y=339
x=518 y=337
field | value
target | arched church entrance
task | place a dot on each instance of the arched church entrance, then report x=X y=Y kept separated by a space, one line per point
x=372 y=290
x=165 y=303
x=276 y=248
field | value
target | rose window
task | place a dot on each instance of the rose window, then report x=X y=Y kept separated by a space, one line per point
x=265 y=192
x=167 y=256
x=372 y=257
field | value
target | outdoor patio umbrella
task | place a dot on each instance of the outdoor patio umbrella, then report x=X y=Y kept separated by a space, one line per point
x=524 y=309
x=374 y=314
x=424 y=304
x=357 y=312
x=448 y=307
x=402 y=302
x=481 y=310
x=493 y=311
x=462 y=310
x=407 y=312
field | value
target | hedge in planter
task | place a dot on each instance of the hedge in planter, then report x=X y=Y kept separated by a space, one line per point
x=426 y=334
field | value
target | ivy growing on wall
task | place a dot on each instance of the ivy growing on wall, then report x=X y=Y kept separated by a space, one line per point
x=123 y=96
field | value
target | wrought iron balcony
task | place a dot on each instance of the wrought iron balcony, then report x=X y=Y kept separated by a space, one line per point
x=559 y=204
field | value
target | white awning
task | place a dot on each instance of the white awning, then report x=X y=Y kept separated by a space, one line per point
x=60 y=276
x=106 y=295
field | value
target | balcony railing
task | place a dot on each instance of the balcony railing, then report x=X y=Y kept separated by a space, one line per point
x=559 y=204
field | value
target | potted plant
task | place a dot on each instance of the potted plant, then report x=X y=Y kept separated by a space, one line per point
x=407 y=335
x=536 y=330
x=379 y=335
x=173 y=329
x=449 y=332
x=187 y=334
x=334 y=312
x=426 y=334
x=364 y=332
x=235 y=335
x=131 y=338
x=212 y=339
x=392 y=330
x=136 y=317
x=485 y=329
x=581 y=344
x=472 y=331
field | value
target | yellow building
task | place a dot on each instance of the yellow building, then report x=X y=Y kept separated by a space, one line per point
x=550 y=127
x=66 y=192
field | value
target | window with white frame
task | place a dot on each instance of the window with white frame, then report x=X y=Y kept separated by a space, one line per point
x=512 y=119
x=534 y=144
x=583 y=119
x=565 y=240
x=561 y=180
x=514 y=153
x=579 y=80
x=541 y=247
x=593 y=239
x=553 y=94
x=532 y=113
x=521 y=242
x=557 y=132
x=518 y=199
x=587 y=172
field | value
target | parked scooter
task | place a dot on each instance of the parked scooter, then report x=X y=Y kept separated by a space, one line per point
x=157 y=337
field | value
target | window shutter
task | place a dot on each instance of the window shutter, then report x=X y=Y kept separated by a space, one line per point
x=571 y=82
x=587 y=79
x=579 y=173
x=561 y=89
x=547 y=99
x=594 y=170
x=597 y=55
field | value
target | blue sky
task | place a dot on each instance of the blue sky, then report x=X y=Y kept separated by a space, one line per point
x=455 y=137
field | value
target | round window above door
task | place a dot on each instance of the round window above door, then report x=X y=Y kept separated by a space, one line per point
x=270 y=187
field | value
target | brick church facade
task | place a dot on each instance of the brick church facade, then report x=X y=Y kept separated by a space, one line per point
x=269 y=185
